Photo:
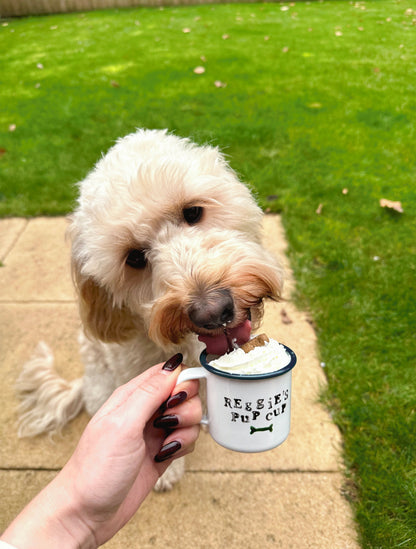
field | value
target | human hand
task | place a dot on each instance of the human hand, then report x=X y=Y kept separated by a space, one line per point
x=113 y=467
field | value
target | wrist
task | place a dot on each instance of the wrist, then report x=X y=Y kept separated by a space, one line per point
x=67 y=519
x=50 y=520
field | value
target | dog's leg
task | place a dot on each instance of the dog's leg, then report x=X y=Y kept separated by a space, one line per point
x=173 y=474
x=98 y=386
x=99 y=380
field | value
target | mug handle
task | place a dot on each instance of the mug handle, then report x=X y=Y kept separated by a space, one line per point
x=193 y=373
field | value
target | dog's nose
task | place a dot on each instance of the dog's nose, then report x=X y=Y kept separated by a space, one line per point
x=212 y=310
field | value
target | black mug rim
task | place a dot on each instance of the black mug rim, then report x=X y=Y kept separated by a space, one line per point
x=250 y=377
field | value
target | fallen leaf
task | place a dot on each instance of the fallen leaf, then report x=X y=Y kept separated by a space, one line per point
x=285 y=49
x=2 y=151
x=199 y=70
x=266 y=38
x=219 y=84
x=115 y=84
x=203 y=58
x=285 y=317
x=186 y=30
x=391 y=204
x=225 y=36
x=319 y=209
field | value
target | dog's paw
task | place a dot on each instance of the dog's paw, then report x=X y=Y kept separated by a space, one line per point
x=172 y=475
x=163 y=485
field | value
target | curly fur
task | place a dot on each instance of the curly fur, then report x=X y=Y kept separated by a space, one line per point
x=134 y=199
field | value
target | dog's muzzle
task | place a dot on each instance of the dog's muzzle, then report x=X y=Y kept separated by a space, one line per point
x=212 y=310
x=214 y=317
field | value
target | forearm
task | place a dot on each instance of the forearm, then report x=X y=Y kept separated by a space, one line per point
x=49 y=521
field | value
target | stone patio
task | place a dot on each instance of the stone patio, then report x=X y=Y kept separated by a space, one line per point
x=290 y=497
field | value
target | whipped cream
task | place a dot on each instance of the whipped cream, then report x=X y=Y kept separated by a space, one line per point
x=270 y=357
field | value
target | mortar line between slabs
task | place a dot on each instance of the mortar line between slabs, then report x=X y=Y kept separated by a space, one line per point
x=266 y=471
x=38 y=302
x=15 y=240
x=200 y=471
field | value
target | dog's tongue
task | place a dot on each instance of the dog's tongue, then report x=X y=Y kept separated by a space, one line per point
x=218 y=345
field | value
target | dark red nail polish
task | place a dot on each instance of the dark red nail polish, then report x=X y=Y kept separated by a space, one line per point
x=167 y=451
x=166 y=421
x=174 y=400
x=162 y=408
x=173 y=362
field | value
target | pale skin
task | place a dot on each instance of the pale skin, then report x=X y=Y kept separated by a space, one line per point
x=113 y=467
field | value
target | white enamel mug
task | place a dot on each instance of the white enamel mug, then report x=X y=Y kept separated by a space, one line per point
x=246 y=413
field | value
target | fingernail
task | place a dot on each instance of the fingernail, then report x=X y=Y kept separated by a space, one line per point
x=174 y=400
x=166 y=421
x=167 y=451
x=162 y=408
x=173 y=363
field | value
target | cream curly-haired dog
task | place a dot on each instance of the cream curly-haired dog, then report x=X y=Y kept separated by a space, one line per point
x=167 y=257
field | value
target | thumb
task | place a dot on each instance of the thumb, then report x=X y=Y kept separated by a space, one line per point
x=142 y=396
x=152 y=391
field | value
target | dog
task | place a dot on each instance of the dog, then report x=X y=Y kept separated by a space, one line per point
x=167 y=257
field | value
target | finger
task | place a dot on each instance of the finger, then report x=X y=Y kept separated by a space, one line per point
x=186 y=414
x=178 y=444
x=182 y=392
x=140 y=398
x=191 y=387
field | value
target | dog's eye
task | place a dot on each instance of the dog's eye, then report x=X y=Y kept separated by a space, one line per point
x=137 y=259
x=193 y=215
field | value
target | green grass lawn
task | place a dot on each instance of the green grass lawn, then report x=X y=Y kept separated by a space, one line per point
x=316 y=110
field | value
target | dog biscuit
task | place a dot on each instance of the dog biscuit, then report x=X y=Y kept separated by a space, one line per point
x=257 y=341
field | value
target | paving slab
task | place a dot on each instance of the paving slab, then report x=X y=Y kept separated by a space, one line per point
x=287 y=497
x=37 y=268
x=218 y=510
x=22 y=326
x=10 y=230
x=312 y=445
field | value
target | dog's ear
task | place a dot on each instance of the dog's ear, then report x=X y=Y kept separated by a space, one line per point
x=261 y=280
x=254 y=284
x=100 y=317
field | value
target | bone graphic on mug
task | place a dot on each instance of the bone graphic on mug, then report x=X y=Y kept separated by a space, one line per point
x=256 y=430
